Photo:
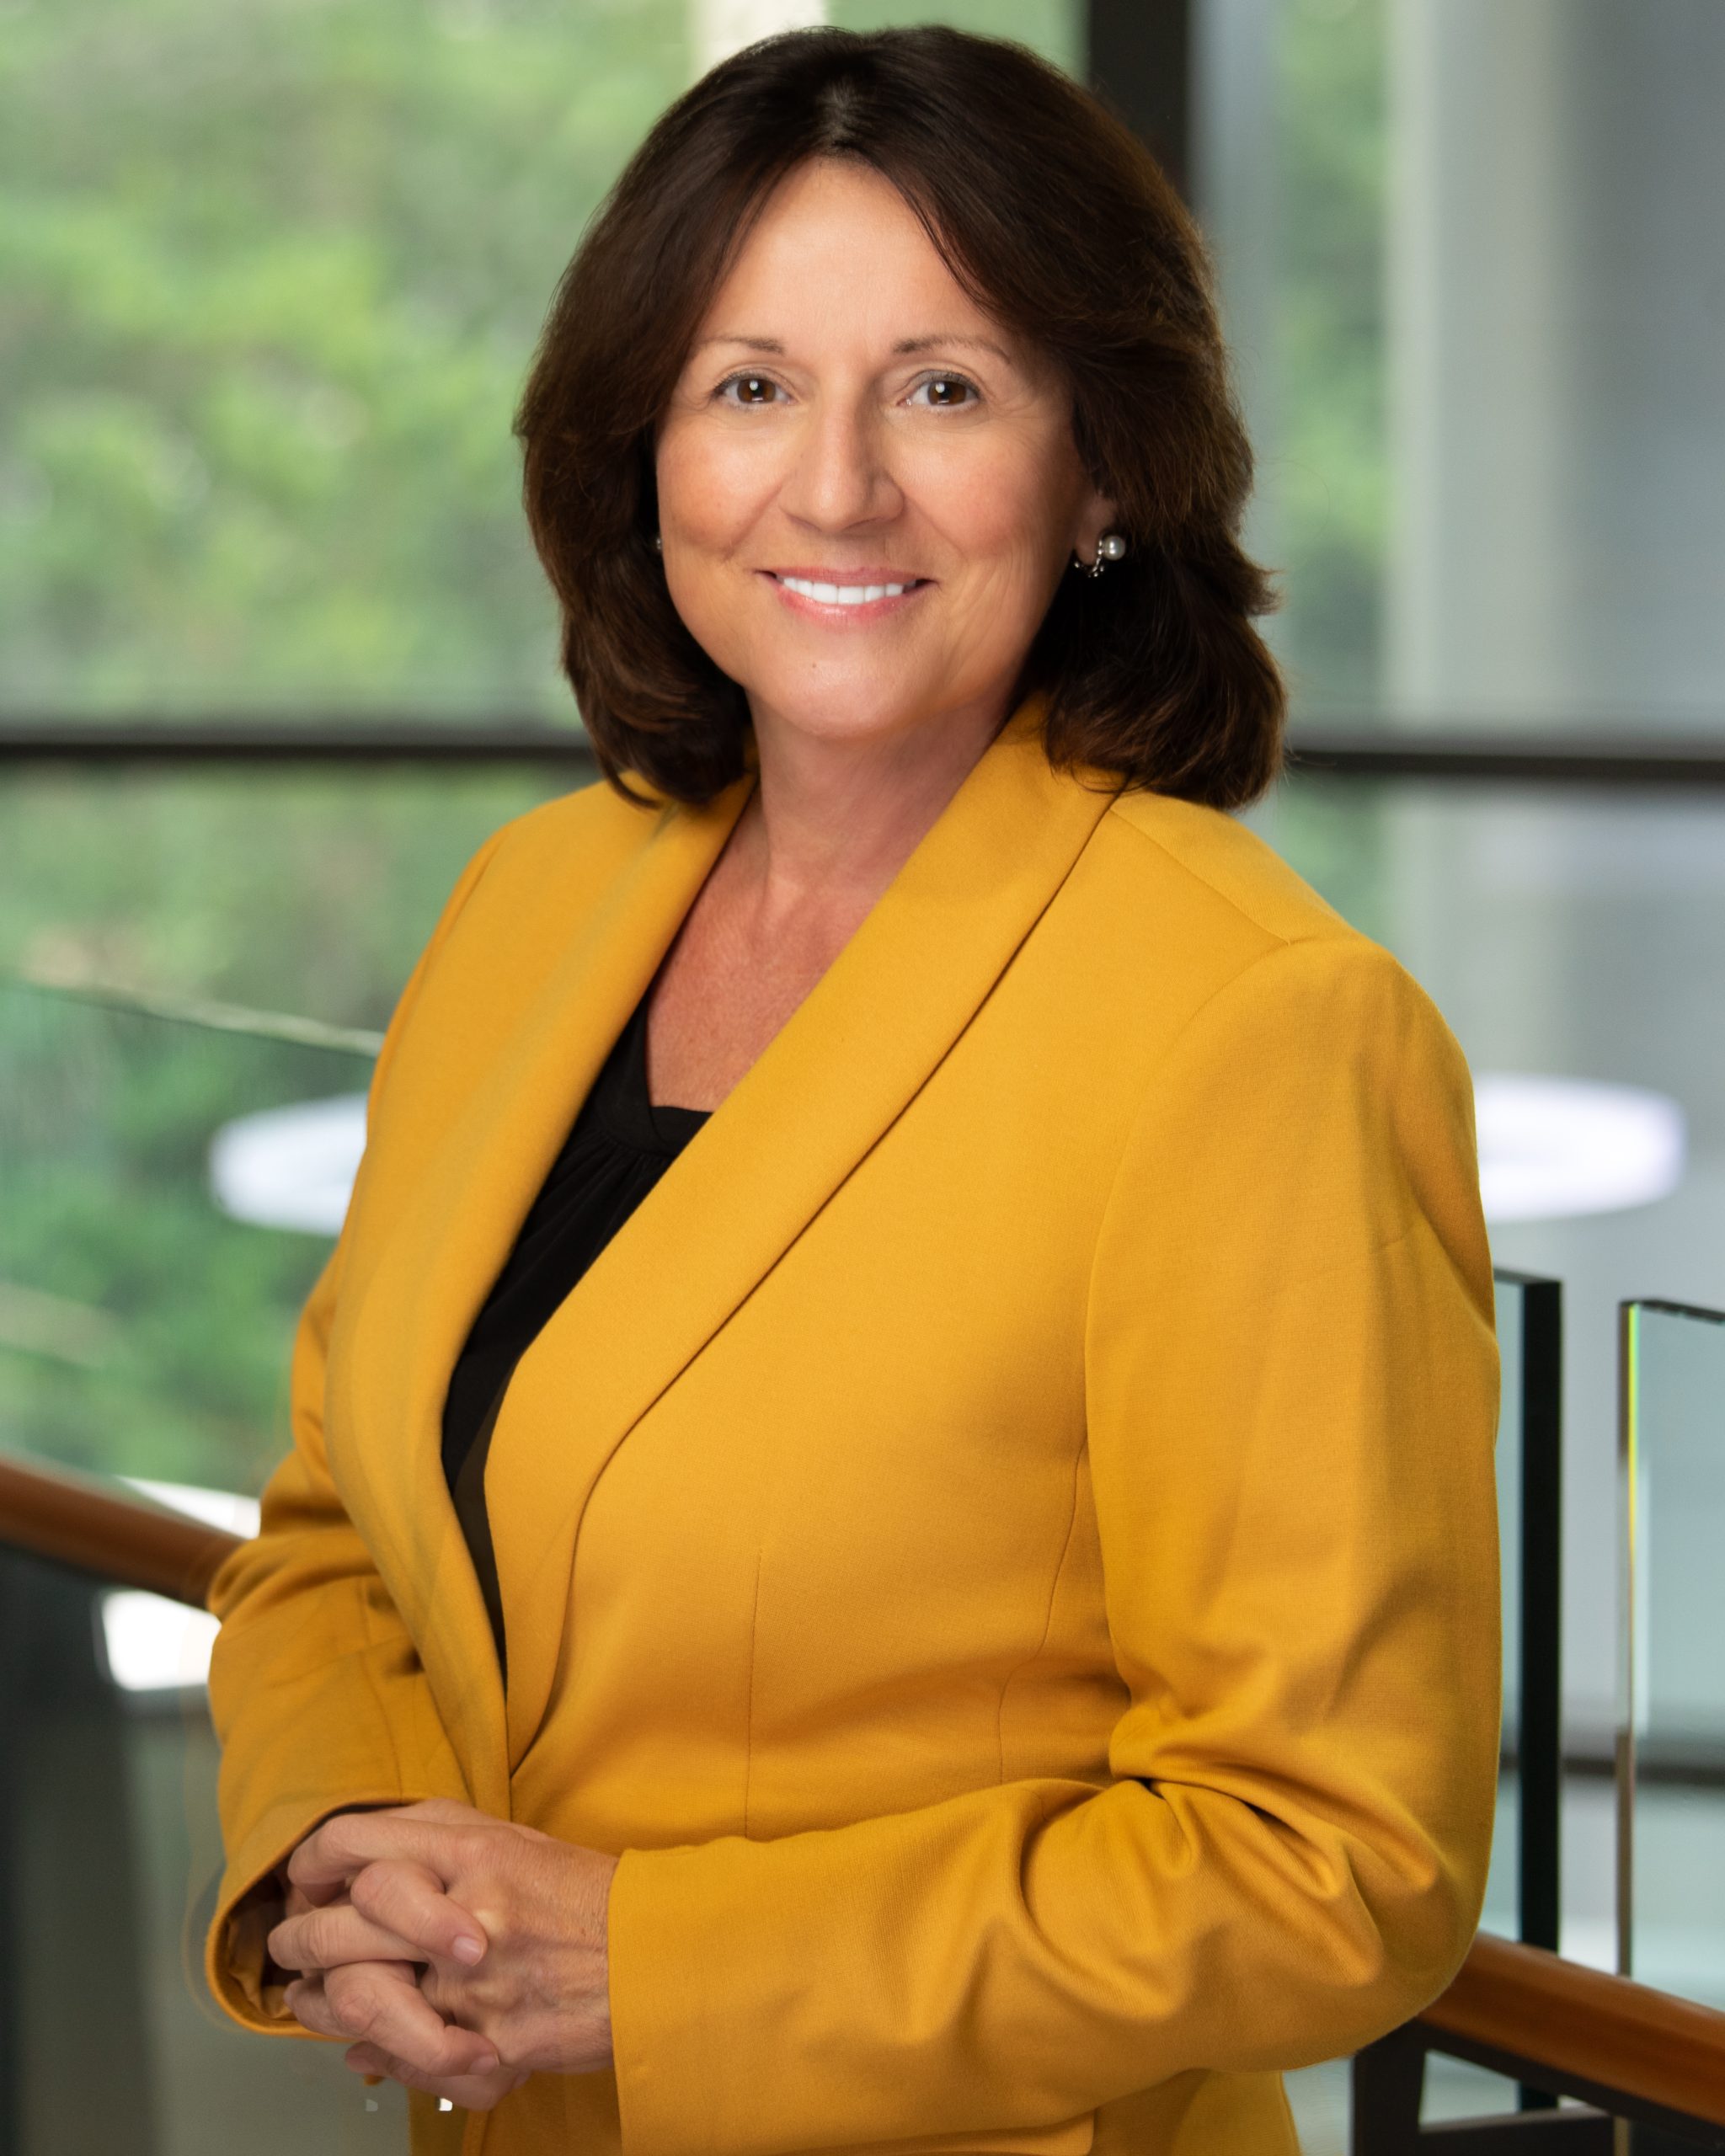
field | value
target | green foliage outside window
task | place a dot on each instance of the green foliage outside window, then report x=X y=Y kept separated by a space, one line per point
x=270 y=274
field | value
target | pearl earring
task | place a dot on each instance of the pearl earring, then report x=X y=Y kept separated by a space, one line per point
x=658 y=544
x=1110 y=547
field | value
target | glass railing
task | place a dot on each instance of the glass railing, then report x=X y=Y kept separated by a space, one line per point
x=170 y=1179
x=1671 y=1735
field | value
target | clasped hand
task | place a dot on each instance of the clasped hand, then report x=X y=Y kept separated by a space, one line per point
x=462 y=1952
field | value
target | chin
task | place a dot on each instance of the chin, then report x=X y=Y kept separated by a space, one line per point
x=840 y=711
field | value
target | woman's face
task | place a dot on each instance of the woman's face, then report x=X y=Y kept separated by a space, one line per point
x=848 y=418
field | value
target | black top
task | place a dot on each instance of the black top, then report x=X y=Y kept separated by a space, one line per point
x=619 y=1147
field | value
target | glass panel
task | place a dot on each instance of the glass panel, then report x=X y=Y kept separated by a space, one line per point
x=273 y=275
x=310 y=891
x=109 y=1795
x=1053 y=28
x=1460 y=247
x=1673 y=1788
x=1292 y=190
x=168 y=1192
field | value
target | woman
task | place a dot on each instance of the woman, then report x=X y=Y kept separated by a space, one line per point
x=890 y=1537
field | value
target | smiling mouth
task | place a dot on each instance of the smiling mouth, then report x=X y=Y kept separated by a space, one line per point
x=846 y=594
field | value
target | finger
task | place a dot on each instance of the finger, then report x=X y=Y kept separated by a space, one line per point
x=335 y=1853
x=325 y=1938
x=310 y=2009
x=367 y=2001
x=375 y=2064
x=295 y=1904
x=406 y=1901
x=475 y=2092
x=310 y=2006
x=445 y=1809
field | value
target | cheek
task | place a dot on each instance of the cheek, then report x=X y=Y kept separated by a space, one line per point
x=1004 y=508
x=711 y=485
x=709 y=498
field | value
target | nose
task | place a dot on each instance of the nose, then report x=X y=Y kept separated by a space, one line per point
x=839 y=475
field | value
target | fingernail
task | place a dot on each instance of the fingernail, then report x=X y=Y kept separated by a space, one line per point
x=486 y=2062
x=468 y=1948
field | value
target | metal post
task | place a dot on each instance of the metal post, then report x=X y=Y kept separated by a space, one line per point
x=1539 y=1749
x=1141 y=57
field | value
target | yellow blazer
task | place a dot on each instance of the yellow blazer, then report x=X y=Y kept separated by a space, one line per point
x=1003 y=1541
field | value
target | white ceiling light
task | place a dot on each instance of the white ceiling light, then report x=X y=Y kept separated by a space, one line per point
x=152 y=1643
x=291 y=1167
x=1552 y=1148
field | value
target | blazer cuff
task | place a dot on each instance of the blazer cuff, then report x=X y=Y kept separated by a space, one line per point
x=243 y=1981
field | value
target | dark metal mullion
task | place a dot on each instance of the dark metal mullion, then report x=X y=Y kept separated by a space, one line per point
x=330 y=739
x=1539 y=1736
x=1512 y=757
x=146 y=741
x=1139 y=56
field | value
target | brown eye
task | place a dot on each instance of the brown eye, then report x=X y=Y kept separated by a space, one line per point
x=750 y=388
x=949 y=392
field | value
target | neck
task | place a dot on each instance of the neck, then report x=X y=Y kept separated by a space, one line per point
x=831 y=823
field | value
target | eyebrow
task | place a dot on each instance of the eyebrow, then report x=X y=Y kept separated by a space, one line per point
x=923 y=344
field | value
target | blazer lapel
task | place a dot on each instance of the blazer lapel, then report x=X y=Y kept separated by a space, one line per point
x=841 y=1070
x=445 y=1249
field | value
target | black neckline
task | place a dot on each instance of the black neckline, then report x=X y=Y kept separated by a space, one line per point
x=622 y=1099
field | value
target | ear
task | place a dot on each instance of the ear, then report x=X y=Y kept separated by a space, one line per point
x=1096 y=513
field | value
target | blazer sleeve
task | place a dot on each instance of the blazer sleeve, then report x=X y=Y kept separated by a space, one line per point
x=1291 y=1396
x=317 y=1692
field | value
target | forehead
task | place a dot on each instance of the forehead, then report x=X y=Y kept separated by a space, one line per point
x=836 y=245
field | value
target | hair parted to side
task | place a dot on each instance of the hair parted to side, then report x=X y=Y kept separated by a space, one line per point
x=1054 y=218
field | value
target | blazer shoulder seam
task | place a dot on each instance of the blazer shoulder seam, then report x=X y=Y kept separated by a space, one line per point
x=1326 y=926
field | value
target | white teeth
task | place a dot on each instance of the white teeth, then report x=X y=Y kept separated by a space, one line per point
x=842 y=594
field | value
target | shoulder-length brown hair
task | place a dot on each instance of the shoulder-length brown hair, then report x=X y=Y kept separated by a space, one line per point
x=1057 y=221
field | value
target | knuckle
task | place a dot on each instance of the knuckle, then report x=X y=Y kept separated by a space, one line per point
x=320 y=1938
x=351 y=2000
x=335 y=1837
x=370 y=1893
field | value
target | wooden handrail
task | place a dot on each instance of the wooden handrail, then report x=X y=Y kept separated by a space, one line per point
x=74 y=1519
x=1588 y=2026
